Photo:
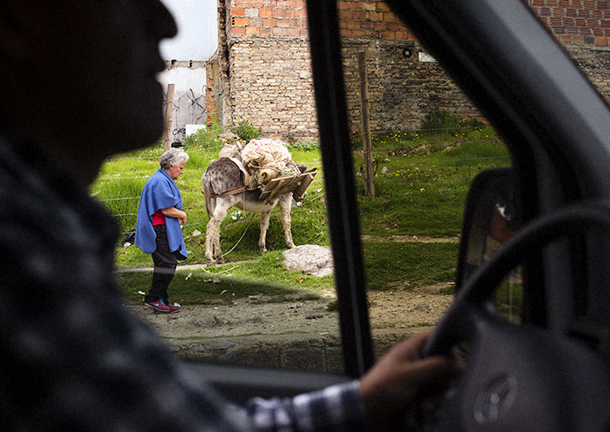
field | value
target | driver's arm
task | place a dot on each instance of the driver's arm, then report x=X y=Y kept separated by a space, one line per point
x=401 y=376
x=376 y=401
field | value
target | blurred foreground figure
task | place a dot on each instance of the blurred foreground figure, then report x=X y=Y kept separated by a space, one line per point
x=78 y=84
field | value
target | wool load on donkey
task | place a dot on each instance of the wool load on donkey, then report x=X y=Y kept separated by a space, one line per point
x=254 y=178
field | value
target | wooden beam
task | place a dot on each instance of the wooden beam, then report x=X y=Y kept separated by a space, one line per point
x=169 y=117
x=368 y=178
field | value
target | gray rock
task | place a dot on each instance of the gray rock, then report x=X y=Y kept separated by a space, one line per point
x=313 y=259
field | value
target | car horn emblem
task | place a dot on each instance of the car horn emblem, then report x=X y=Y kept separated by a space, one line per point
x=496 y=397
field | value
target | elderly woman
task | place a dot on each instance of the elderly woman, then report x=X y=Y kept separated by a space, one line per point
x=158 y=230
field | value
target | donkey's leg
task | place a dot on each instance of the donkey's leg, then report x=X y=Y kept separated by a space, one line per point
x=222 y=208
x=212 y=236
x=220 y=259
x=285 y=207
x=265 y=216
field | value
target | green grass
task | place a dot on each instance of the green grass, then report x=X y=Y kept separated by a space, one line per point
x=421 y=185
x=408 y=265
x=124 y=177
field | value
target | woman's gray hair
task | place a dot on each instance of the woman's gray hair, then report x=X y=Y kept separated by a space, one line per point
x=173 y=157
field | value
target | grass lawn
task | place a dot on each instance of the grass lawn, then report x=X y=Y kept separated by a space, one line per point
x=421 y=185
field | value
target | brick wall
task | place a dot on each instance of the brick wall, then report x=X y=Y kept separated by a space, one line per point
x=575 y=21
x=595 y=63
x=583 y=27
x=272 y=86
x=370 y=18
x=402 y=89
x=265 y=74
x=268 y=18
x=264 y=67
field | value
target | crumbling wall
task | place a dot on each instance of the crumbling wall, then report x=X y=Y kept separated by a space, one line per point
x=583 y=27
x=189 y=78
x=263 y=66
x=265 y=73
x=402 y=89
x=272 y=85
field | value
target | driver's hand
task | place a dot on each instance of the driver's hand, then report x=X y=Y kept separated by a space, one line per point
x=401 y=376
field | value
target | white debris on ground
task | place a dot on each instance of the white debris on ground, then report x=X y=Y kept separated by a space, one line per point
x=394 y=309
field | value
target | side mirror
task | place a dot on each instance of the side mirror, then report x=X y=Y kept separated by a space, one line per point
x=490 y=219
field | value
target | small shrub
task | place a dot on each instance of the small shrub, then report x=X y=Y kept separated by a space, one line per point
x=440 y=121
x=303 y=145
x=246 y=131
x=206 y=138
x=473 y=124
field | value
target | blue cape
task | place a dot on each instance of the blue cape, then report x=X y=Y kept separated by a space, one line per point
x=160 y=192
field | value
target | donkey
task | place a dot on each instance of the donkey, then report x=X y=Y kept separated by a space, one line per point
x=224 y=175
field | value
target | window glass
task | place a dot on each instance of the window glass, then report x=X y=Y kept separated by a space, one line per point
x=427 y=143
x=252 y=310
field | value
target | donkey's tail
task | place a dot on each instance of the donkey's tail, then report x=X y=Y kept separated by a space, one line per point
x=210 y=203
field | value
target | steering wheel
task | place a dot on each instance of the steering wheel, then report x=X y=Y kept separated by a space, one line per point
x=520 y=378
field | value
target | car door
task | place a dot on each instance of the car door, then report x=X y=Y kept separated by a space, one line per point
x=557 y=128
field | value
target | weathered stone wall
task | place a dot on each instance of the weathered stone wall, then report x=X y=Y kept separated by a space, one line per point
x=583 y=27
x=272 y=86
x=265 y=74
x=595 y=63
x=402 y=89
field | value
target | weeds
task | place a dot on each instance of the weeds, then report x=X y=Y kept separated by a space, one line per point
x=303 y=145
x=245 y=131
x=441 y=121
x=205 y=138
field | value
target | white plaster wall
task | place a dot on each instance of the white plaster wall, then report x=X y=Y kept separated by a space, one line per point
x=189 y=97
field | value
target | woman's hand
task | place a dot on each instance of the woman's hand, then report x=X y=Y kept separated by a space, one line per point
x=173 y=212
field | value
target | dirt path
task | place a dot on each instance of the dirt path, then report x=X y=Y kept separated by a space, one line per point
x=388 y=310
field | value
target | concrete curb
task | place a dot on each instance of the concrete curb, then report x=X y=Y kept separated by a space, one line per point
x=296 y=351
